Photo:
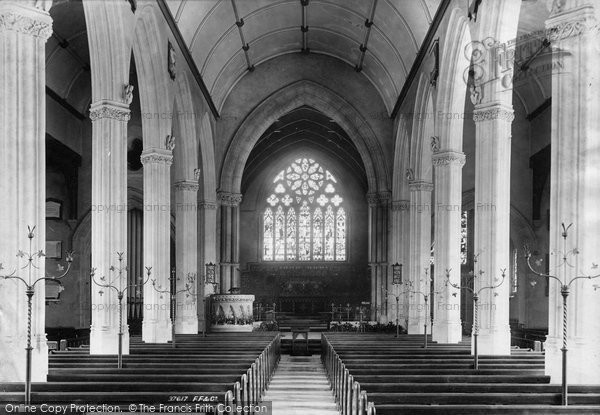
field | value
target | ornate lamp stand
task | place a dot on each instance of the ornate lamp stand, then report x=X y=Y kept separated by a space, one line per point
x=564 y=291
x=121 y=289
x=172 y=291
x=471 y=287
x=30 y=282
x=426 y=296
x=396 y=283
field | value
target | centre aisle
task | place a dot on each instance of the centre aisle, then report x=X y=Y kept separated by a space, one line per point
x=300 y=386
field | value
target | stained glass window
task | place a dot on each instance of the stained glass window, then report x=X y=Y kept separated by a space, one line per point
x=340 y=235
x=304 y=218
x=279 y=232
x=268 y=232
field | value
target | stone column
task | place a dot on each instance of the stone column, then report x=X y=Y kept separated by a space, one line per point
x=378 y=252
x=575 y=169
x=492 y=94
x=448 y=199
x=400 y=254
x=109 y=222
x=492 y=224
x=420 y=252
x=156 y=325
x=23 y=34
x=207 y=234
x=186 y=259
x=230 y=243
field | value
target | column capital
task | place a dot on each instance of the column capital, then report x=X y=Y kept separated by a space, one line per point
x=207 y=205
x=493 y=111
x=400 y=205
x=156 y=156
x=229 y=199
x=444 y=158
x=420 y=186
x=109 y=109
x=26 y=20
x=378 y=198
x=187 y=186
x=570 y=22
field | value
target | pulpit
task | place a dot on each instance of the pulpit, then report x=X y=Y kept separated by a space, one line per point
x=231 y=312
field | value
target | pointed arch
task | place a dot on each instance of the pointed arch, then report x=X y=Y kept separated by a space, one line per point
x=185 y=155
x=452 y=88
x=287 y=99
x=150 y=51
x=422 y=131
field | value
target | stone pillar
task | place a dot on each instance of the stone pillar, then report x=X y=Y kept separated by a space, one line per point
x=575 y=169
x=156 y=325
x=420 y=252
x=492 y=95
x=378 y=252
x=207 y=234
x=492 y=224
x=448 y=199
x=23 y=34
x=230 y=243
x=186 y=259
x=400 y=254
x=109 y=222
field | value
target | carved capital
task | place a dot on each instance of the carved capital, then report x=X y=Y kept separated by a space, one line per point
x=109 y=109
x=25 y=20
x=420 y=186
x=372 y=199
x=156 y=156
x=207 y=205
x=229 y=199
x=187 y=186
x=379 y=198
x=400 y=205
x=445 y=158
x=495 y=112
x=571 y=24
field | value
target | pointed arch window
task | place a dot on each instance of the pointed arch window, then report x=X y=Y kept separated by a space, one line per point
x=304 y=218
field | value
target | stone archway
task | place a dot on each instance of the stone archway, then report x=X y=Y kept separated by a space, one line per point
x=291 y=97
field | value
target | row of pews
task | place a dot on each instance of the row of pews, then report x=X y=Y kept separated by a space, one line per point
x=207 y=374
x=378 y=373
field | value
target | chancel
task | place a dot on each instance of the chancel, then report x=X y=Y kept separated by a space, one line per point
x=300 y=207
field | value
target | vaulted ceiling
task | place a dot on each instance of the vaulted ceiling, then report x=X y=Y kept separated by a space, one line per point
x=228 y=38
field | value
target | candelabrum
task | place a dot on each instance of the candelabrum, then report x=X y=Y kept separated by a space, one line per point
x=475 y=291
x=116 y=283
x=30 y=282
x=565 y=262
x=426 y=296
x=173 y=292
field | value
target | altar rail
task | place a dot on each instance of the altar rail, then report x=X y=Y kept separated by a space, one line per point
x=350 y=398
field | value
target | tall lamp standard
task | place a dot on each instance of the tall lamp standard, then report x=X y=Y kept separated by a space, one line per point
x=30 y=282
x=426 y=296
x=396 y=283
x=470 y=286
x=121 y=289
x=172 y=291
x=564 y=291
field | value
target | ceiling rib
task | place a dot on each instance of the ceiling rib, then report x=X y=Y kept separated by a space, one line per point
x=363 y=46
x=304 y=27
x=245 y=46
